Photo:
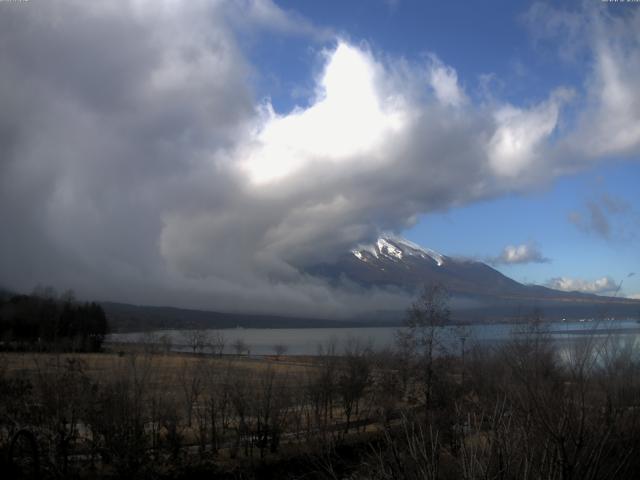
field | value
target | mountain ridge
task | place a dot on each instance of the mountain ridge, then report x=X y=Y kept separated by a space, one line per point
x=395 y=262
x=480 y=294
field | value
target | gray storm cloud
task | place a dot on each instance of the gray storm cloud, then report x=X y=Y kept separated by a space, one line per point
x=136 y=164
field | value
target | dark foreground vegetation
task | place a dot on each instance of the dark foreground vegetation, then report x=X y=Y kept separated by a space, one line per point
x=526 y=410
x=44 y=321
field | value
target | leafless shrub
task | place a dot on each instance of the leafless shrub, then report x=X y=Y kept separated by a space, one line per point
x=61 y=391
x=197 y=340
x=191 y=387
x=410 y=451
x=240 y=347
x=280 y=349
x=353 y=378
x=217 y=342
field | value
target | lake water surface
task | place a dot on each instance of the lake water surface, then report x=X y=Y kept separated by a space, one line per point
x=305 y=341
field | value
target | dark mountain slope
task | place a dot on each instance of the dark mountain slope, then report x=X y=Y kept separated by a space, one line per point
x=479 y=290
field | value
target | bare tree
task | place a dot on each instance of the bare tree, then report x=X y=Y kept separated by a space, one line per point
x=196 y=340
x=240 y=346
x=61 y=388
x=217 y=393
x=412 y=453
x=322 y=385
x=166 y=344
x=353 y=379
x=424 y=320
x=191 y=384
x=280 y=349
x=217 y=342
x=117 y=419
x=150 y=342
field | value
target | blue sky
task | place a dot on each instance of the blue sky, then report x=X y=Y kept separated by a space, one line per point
x=543 y=218
x=496 y=48
x=495 y=40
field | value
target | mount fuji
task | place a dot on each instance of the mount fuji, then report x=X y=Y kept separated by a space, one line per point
x=477 y=289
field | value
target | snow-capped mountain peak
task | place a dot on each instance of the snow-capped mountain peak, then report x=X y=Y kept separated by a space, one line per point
x=396 y=248
x=415 y=249
x=481 y=290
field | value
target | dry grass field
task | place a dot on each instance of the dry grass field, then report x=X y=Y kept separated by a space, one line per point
x=97 y=364
x=130 y=407
x=135 y=412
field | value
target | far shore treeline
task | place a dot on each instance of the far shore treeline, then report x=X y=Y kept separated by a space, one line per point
x=47 y=321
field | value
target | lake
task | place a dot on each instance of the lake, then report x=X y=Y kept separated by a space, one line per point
x=305 y=341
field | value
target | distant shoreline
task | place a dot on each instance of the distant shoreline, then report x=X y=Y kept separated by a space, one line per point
x=597 y=331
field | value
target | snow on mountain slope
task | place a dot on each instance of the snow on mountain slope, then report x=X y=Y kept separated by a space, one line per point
x=394 y=261
x=396 y=248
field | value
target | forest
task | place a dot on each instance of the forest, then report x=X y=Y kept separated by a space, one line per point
x=44 y=321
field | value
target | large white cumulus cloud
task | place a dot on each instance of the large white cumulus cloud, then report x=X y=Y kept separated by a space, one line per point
x=524 y=253
x=604 y=285
x=608 y=120
x=136 y=164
